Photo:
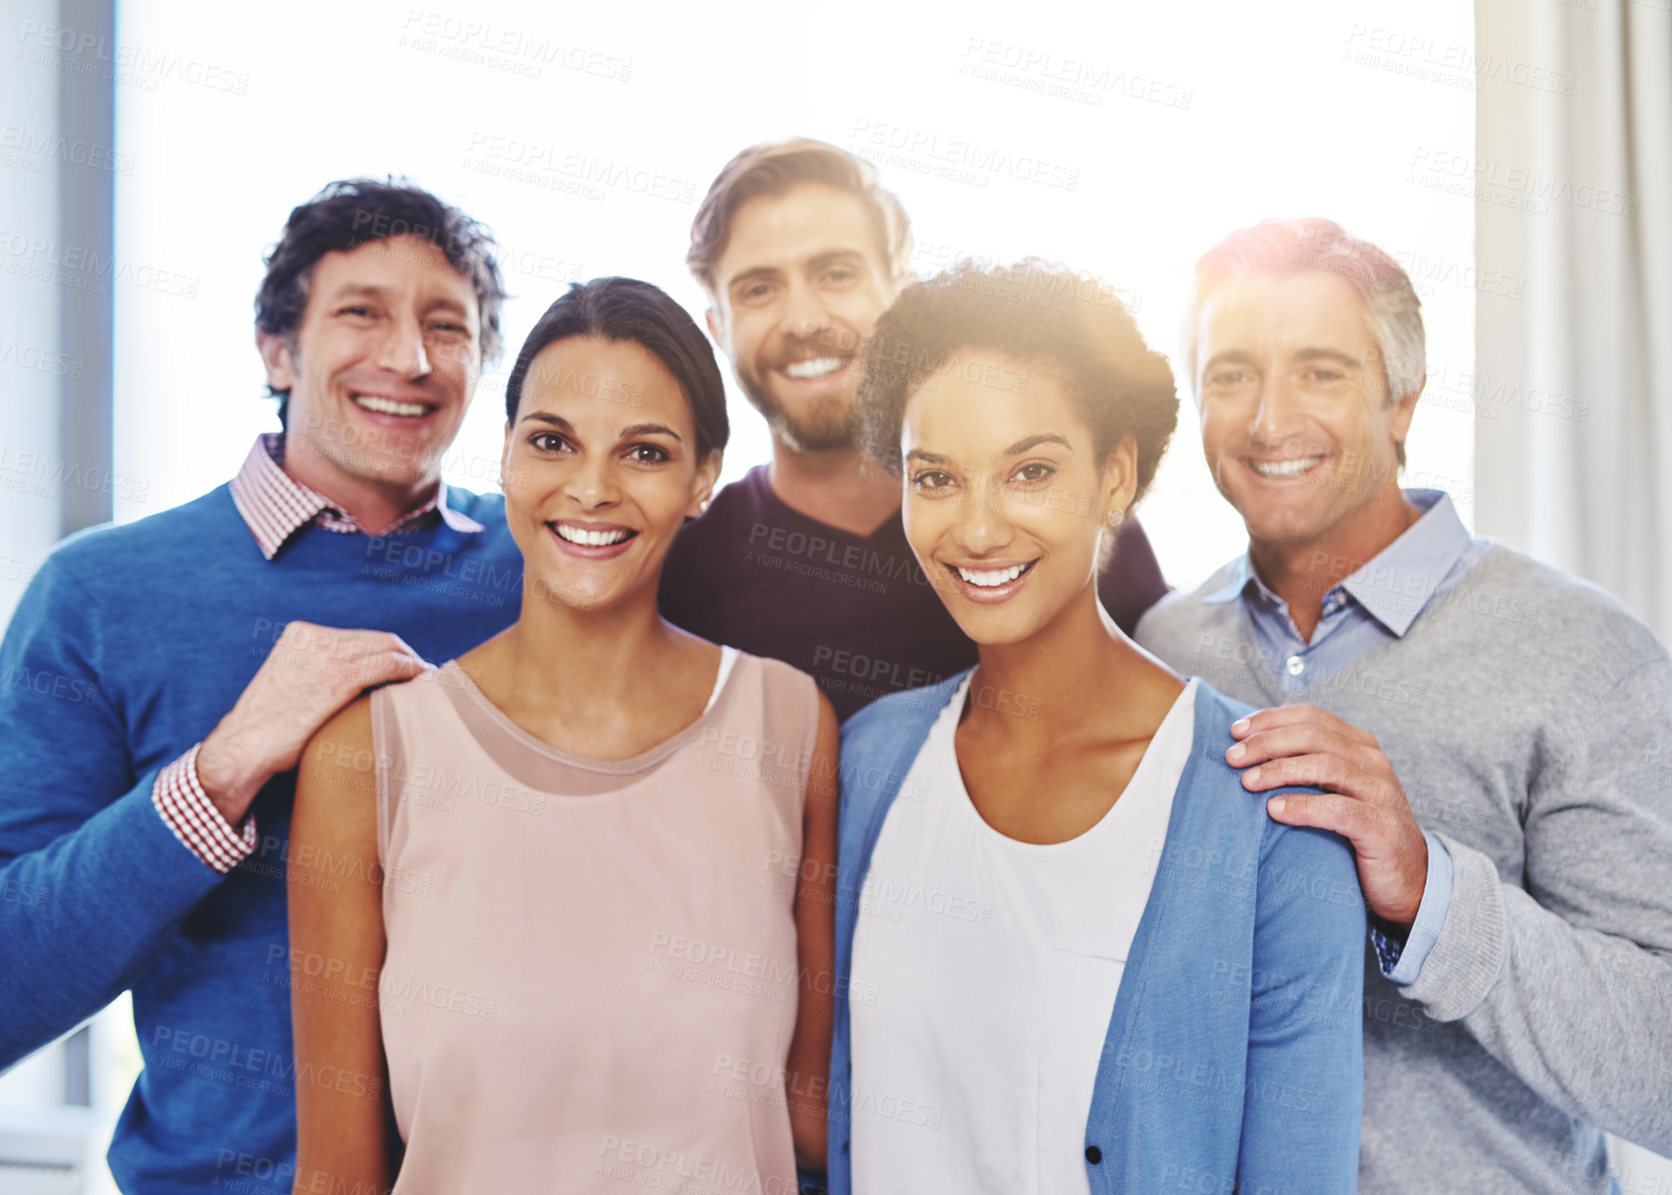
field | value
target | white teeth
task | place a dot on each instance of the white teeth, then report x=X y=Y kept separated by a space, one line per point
x=388 y=406
x=1293 y=468
x=816 y=368
x=989 y=579
x=591 y=539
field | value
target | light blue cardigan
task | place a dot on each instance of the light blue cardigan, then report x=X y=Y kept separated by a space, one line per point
x=1234 y=1057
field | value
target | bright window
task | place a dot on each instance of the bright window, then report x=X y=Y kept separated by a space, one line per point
x=1119 y=139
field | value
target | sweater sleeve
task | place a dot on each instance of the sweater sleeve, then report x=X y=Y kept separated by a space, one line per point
x=1304 y=1094
x=1565 y=977
x=92 y=880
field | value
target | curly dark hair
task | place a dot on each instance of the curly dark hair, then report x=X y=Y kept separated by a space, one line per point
x=352 y=212
x=1034 y=312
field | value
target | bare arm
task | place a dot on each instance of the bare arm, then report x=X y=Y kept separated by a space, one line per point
x=815 y=925
x=336 y=952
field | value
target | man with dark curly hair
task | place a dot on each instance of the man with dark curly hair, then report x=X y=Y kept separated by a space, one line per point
x=164 y=675
x=800 y=250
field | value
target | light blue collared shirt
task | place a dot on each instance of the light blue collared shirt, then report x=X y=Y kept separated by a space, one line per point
x=1377 y=602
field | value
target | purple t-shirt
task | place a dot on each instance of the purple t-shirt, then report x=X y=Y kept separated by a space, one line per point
x=854 y=611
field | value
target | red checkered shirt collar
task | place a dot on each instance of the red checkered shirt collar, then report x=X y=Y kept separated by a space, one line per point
x=275 y=505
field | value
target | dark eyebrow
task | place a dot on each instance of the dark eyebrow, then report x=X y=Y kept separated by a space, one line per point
x=1021 y=446
x=349 y=289
x=372 y=290
x=556 y=421
x=626 y=433
x=450 y=305
x=649 y=429
x=1016 y=449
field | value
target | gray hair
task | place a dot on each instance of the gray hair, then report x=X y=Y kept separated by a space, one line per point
x=1273 y=248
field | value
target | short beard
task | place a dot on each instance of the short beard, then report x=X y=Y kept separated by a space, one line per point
x=829 y=428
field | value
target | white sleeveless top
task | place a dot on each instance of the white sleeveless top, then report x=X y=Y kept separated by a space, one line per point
x=995 y=965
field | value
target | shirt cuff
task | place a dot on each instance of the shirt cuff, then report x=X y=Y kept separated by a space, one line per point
x=187 y=810
x=1402 y=962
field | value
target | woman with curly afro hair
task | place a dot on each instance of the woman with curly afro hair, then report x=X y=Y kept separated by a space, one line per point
x=1078 y=956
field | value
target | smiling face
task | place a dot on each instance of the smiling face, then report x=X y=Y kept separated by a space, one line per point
x=382 y=368
x=599 y=478
x=1005 y=499
x=1296 y=423
x=799 y=287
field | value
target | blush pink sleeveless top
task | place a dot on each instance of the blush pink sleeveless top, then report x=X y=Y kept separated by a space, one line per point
x=590 y=983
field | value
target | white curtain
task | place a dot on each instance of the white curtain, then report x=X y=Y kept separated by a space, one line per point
x=1572 y=183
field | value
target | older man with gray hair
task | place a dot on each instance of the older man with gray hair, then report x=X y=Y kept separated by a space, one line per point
x=1487 y=732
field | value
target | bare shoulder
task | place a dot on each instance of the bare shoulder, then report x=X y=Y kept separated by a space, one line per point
x=828 y=722
x=349 y=727
x=828 y=735
x=337 y=776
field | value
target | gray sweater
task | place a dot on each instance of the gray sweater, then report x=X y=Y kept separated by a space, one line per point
x=1529 y=716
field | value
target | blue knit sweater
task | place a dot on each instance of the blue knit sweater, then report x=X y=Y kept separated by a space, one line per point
x=129 y=646
x=1233 y=1058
